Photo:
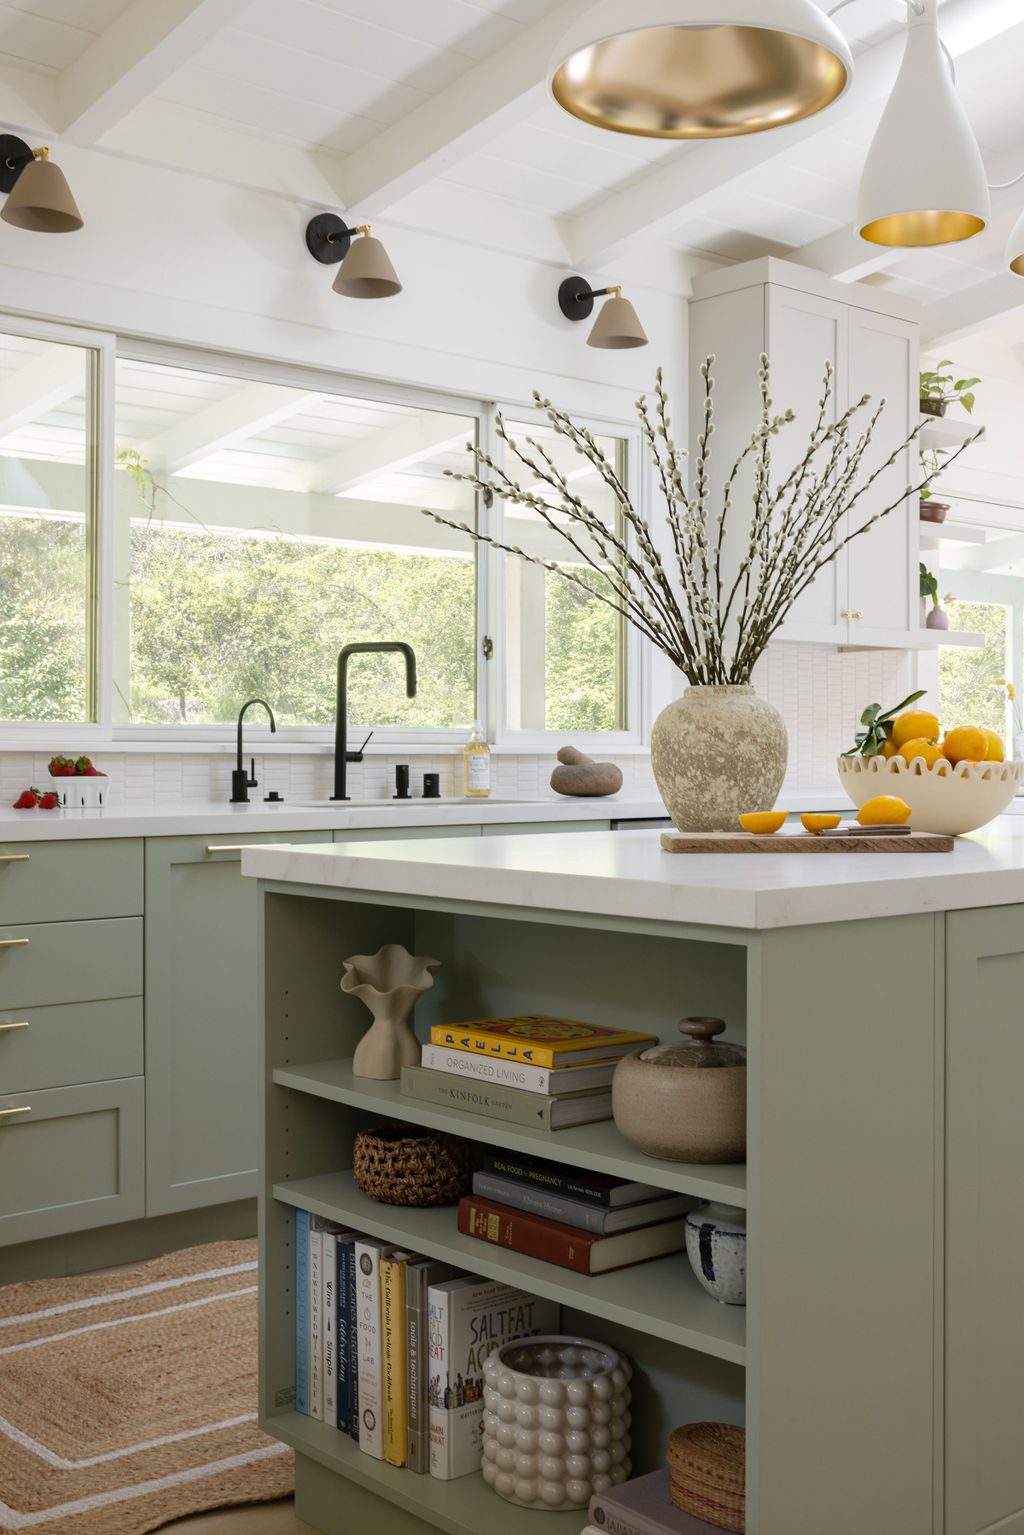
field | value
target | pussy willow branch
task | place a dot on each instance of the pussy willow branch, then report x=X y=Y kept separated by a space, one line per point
x=715 y=622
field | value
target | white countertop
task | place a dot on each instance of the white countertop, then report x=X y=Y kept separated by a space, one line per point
x=626 y=874
x=140 y=818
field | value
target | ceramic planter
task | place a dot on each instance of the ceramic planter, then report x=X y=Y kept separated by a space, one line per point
x=716 y=1245
x=937 y=618
x=388 y=982
x=685 y=1102
x=932 y=510
x=933 y=407
x=716 y=753
x=556 y=1421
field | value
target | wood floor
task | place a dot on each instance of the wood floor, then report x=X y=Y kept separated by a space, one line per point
x=260 y=1519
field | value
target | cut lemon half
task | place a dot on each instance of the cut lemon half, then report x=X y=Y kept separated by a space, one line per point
x=762 y=822
x=817 y=823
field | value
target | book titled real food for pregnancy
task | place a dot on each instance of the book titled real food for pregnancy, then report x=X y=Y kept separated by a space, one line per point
x=468 y=1319
x=539 y=1039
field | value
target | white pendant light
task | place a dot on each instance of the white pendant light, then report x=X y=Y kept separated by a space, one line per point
x=924 y=180
x=699 y=69
x=1015 y=248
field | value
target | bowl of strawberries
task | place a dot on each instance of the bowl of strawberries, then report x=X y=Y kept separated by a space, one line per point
x=78 y=783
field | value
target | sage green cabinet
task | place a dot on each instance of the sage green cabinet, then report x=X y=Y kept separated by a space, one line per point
x=65 y=881
x=202 y=936
x=984 y=1323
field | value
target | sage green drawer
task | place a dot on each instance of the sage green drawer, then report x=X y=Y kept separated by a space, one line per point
x=47 y=963
x=405 y=833
x=71 y=1158
x=67 y=881
x=538 y=828
x=72 y=1042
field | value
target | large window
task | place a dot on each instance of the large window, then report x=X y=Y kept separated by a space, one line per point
x=566 y=647
x=969 y=690
x=261 y=527
x=48 y=500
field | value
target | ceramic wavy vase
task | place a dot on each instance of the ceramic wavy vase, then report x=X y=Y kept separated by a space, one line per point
x=716 y=753
x=388 y=983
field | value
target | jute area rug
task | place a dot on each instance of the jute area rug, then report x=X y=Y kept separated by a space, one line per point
x=128 y=1400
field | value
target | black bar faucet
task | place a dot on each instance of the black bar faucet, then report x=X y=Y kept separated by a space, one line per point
x=342 y=755
x=242 y=781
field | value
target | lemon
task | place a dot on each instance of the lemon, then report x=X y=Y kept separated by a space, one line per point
x=762 y=822
x=889 y=749
x=967 y=743
x=927 y=750
x=884 y=810
x=996 y=751
x=817 y=823
x=915 y=725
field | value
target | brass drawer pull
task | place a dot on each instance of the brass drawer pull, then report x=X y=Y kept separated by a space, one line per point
x=230 y=847
x=13 y=943
x=15 y=857
x=8 y=1028
x=26 y=1108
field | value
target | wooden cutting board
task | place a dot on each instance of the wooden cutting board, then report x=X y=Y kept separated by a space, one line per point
x=802 y=842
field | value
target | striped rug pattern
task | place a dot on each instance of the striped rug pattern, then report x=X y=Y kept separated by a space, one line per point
x=128 y=1400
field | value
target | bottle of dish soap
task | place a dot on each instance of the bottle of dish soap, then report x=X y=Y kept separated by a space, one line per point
x=476 y=760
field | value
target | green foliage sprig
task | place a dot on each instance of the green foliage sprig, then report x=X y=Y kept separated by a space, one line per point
x=873 y=737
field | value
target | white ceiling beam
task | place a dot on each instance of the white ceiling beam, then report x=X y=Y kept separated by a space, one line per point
x=960 y=313
x=845 y=256
x=53 y=377
x=655 y=206
x=128 y=62
x=459 y=121
x=224 y=424
x=408 y=442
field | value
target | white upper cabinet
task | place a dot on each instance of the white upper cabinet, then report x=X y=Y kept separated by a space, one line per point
x=868 y=594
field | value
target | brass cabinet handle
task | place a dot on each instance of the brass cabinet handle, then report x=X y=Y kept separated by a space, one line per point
x=26 y=1108
x=846 y=613
x=13 y=943
x=857 y=613
x=8 y=1028
x=228 y=847
x=15 y=857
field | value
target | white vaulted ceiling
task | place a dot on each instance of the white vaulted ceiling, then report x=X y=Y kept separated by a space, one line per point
x=433 y=114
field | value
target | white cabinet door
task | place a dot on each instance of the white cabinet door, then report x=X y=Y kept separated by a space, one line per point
x=804 y=332
x=883 y=562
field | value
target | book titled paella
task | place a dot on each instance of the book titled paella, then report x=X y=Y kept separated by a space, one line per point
x=539 y=1040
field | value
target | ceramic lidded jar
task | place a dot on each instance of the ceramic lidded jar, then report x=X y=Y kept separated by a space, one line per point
x=716 y=1245
x=685 y=1102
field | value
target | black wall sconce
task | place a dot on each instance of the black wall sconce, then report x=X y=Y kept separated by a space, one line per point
x=38 y=197
x=617 y=325
x=366 y=270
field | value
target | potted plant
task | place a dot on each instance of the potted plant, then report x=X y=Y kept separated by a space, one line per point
x=930 y=510
x=718 y=750
x=934 y=617
x=939 y=389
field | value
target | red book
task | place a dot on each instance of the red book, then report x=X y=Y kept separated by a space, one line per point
x=567 y=1246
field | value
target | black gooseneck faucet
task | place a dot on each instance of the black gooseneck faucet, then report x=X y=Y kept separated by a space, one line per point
x=342 y=755
x=241 y=781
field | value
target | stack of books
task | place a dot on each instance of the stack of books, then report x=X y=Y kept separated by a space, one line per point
x=530 y=1070
x=389 y=1346
x=576 y=1219
x=642 y=1507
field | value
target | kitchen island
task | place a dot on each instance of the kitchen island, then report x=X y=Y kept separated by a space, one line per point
x=879 y=1364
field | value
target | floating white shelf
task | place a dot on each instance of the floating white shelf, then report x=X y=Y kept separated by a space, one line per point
x=948 y=432
x=964 y=638
x=935 y=533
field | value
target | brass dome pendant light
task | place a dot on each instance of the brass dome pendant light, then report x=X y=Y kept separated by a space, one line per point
x=38 y=196
x=700 y=69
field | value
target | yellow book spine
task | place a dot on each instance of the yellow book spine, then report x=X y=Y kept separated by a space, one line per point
x=396 y=1412
x=489 y=1044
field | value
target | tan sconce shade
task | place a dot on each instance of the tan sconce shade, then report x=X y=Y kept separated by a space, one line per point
x=38 y=196
x=366 y=271
x=616 y=327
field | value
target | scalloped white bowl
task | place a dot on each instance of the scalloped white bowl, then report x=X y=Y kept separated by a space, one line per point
x=942 y=798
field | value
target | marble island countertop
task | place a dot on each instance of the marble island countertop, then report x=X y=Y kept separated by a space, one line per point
x=626 y=874
x=139 y=818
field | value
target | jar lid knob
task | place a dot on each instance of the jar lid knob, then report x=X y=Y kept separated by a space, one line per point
x=701 y=1028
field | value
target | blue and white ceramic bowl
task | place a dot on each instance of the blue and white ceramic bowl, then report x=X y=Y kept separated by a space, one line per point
x=716 y=1245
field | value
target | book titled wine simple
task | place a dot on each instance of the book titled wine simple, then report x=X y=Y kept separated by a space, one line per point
x=538 y=1039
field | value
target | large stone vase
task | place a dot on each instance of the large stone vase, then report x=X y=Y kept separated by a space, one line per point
x=716 y=753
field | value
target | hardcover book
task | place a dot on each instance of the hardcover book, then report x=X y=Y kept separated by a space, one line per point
x=529 y=1079
x=344 y=1353
x=393 y=1334
x=419 y=1276
x=315 y=1340
x=578 y=1212
x=643 y=1507
x=369 y=1251
x=352 y=1271
x=575 y=1182
x=538 y=1039
x=509 y=1104
x=302 y=1311
x=566 y=1246
x=467 y=1319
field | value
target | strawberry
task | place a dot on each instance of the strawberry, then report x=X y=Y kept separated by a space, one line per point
x=61 y=767
x=28 y=799
x=83 y=764
x=49 y=801
x=94 y=772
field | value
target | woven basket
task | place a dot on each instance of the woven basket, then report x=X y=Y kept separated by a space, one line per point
x=707 y=1476
x=402 y=1165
